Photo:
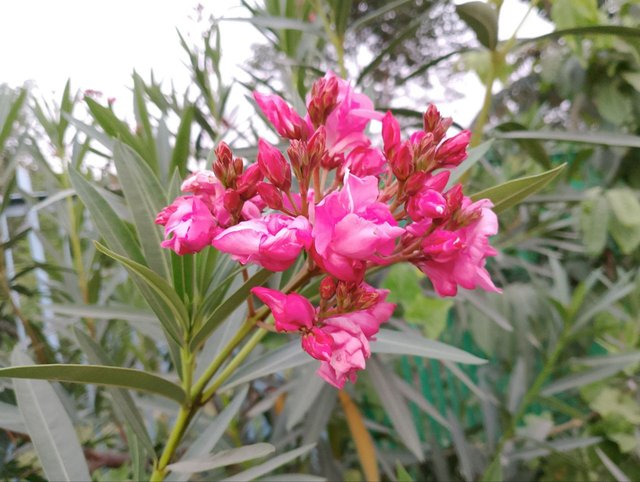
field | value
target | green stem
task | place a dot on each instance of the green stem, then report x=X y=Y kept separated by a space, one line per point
x=529 y=397
x=233 y=364
x=184 y=417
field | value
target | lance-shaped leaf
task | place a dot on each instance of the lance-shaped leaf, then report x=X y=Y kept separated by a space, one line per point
x=99 y=375
x=11 y=418
x=474 y=155
x=49 y=427
x=395 y=406
x=272 y=464
x=599 y=138
x=223 y=458
x=402 y=343
x=163 y=289
x=122 y=401
x=512 y=192
x=145 y=198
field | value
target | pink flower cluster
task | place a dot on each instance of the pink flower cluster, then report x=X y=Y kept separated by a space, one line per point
x=356 y=205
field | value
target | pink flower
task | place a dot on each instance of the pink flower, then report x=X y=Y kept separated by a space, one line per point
x=202 y=182
x=273 y=241
x=376 y=310
x=427 y=203
x=458 y=257
x=284 y=118
x=349 y=351
x=189 y=225
x=291 y=312
x=366 y=161
x=352 y=228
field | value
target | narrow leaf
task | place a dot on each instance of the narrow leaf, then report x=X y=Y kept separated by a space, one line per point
x=474 y=155
x=49 y=427
x=483 y=20
x=395 y=406
x=600 y=138
x=613 y=469
x=401 y=343
x=223 y=458
x=512 y=192
x=273 y=464
x=99 y=375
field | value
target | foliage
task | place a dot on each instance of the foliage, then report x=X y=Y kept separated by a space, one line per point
x=104 y=304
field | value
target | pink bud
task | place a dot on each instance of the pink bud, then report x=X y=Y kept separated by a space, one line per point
x=316 y=147
x=402 y=161
x=390 y=131
x=324 y=97
x=271 y=195
x=248 y=180
x=232 y=201
x=318 y=344
x=454 y=150
x=274 y=166
x=428 y=203
x=284 y=118
x=291 y=312
x=327 y=288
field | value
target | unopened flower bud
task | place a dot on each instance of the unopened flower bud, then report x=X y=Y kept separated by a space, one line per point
x=223 y=154
x=318 y=344
x=435 y=123
x=324 y=98
x=316 y=147
x=402 y=162
x=271 y=195
x=390 y=132
x=232 y=201
x=454 y=150
x=238 y=166
x=327 y=288
x=284 y=118
x=415 y=182
x=273 y=165
x=246 y=183
x=454 y=198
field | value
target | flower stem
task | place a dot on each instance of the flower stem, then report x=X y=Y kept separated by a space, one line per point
x=184 y=417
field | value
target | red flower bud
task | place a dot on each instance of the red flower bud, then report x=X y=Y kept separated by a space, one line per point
x=274 y=166
x=232 y=201
x=270 y=194
x=402 y=161
x=454 y=150
x=415 y=182
x=316 y=147
x=390 y=132
x=324 y=98
x=246 y=183
x=327 y=288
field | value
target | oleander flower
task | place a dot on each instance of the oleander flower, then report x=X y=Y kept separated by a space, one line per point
x=273 y=241
x=189 y=225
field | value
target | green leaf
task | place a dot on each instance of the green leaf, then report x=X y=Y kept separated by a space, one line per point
x=581 y=379
x=228 y=306
x=208 y=439
x=599 y=138
x=99 y=375
x=403 y=343
x=614 y=470
x=625 y=206
x=162 y=289
x=563 y=445
x=145 y=198
x=49 y=426
x=403 y=282
x=272 y=464
x=430 y=314
x=512 y=192
x=287 y=356
x=627 y=237
x=401 y=473
x=395 y=406
x=122 y=401
x=482 y=18
x=223 y=458
x=109 y=225
x=143 y=119
x=182 y=145
x=11 y=117
x=279 y=23
x=474 y=155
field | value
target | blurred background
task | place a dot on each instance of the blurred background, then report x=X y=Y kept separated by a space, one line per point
x=541 y=84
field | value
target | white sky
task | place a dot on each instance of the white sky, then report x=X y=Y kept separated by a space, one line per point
x=98 y=43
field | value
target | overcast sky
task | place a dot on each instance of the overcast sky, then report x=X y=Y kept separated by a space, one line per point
x=98 y=43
